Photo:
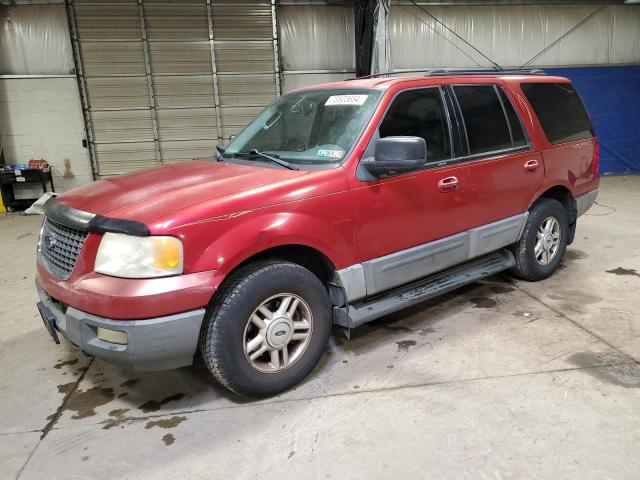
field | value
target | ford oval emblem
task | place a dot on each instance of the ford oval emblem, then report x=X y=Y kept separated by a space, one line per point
x=280 y=333
x=50 y=241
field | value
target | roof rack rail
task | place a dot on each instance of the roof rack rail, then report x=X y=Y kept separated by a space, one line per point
x=432 y=72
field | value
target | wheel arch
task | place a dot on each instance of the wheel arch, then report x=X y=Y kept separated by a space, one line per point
x=563 y=195
x=308 y=257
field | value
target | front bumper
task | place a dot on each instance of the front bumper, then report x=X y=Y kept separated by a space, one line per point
x=160 y=343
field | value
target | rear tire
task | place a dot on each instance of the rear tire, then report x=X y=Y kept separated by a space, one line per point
x=543 y=242
x=268 y=328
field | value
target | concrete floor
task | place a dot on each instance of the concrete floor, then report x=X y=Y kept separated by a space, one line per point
x=504 y=379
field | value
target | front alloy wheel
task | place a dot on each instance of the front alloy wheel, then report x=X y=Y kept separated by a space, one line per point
x=267 y=328
x=278 y=333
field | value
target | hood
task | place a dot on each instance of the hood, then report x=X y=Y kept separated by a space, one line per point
x=148 y=194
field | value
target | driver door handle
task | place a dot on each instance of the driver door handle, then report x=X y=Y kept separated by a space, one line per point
x=531 y=165
x=448 y=184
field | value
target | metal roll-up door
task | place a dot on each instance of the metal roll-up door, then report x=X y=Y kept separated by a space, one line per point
x=112 y=59
x=166 y=81
x=181 y=66
x=244 y=31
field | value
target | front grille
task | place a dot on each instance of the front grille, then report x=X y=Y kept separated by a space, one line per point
x=59 y=247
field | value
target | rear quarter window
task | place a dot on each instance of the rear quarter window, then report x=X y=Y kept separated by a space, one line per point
x=559 y=110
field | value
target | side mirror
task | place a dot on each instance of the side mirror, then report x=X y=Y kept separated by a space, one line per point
x=397 y=155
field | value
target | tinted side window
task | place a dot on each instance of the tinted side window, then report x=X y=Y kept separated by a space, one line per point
x=560 y=111
x=484 y=119
x=517 y=132
x=420 y=113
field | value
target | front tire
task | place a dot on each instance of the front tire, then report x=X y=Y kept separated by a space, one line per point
x=543 y=242
x=268 y=328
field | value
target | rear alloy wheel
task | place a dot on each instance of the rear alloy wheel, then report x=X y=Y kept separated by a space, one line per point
x=267 y=328
x=547 y=240
x=541 y=247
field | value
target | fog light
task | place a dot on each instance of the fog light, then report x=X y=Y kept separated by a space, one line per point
x=112 y=336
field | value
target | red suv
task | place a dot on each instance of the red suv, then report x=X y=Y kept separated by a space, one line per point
x=338 y=204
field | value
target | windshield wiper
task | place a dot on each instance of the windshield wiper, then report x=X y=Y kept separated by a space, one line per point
x=271 y=158
x=219 y=152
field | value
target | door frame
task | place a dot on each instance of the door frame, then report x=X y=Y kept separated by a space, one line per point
x=364 y=176
x=461 y=129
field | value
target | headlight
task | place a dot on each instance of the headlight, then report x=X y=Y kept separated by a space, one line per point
x=139 y=257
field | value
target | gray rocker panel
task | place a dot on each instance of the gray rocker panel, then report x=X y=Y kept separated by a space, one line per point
x=352 y=316
x=399 y=268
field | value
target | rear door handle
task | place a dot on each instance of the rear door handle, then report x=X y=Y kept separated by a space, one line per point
x=531 y=165
x=448 y=184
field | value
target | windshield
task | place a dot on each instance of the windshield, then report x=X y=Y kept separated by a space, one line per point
x=309 y=127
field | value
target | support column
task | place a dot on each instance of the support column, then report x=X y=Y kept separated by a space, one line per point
x=364 y=14
x=147 y=66
x=82 y=87
x=276 y=47
x=214 y=74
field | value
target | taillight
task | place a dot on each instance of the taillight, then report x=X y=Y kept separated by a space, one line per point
x=595 y=162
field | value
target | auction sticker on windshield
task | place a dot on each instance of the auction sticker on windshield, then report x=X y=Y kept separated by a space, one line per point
x=356 y=100
x=330 y=153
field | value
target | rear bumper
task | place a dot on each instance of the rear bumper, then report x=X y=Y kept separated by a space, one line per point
x=585 y=201
x=159 y=343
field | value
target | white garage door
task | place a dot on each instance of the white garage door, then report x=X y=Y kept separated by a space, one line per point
x=167 y=81
x=317 y=44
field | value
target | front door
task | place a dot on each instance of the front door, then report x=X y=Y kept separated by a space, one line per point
x=407 y=224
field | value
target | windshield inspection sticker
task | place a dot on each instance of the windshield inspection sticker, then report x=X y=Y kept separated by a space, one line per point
x=356 y=100
x=330 y=153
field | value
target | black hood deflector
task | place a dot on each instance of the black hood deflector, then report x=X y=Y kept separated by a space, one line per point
x=91 y=222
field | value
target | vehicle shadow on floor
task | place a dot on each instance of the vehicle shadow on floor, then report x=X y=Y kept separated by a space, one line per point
x=114 y=395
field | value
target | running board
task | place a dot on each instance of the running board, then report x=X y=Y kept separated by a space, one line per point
x=353 y=316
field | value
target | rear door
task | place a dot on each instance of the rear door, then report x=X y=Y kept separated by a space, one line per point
x=569 y=153
x=504 y=171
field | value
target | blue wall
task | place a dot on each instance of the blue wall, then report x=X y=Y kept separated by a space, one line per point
x=612 y=97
